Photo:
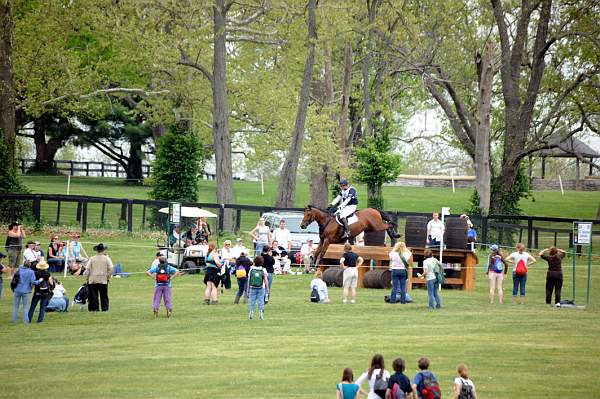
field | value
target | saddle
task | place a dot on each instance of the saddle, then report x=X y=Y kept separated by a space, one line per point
x=352 y=218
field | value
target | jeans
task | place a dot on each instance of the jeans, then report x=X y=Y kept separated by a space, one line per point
x=519 y=283
x=241 y=287
x=56 y=264
x=162 y=292
x=20 y=297
x=93 y=291
x=257 y=295
x=270 y=278
x=432 y=293
x=43 y=300
x=398 y=285
x=58 y=304
x=259 y=248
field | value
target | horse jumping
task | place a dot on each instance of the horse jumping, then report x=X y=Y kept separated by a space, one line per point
x=330 y=231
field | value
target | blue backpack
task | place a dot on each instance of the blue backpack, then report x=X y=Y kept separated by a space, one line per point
x=497 y=265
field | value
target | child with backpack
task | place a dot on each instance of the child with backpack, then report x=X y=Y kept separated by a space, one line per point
x=22 y=282
x=242 y=268
x=399 y=386
x=425 y=383
x=433 y=272
x=162 y=273
x=257 y=287
x=463 y=386
x=522 y=260
x=496 y=270
x=318 y=289
x=347 y=389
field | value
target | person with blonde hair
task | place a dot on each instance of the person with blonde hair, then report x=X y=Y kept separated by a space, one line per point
x=318 y=284
x=463 y=386
x=522 y=261
x=400 y=256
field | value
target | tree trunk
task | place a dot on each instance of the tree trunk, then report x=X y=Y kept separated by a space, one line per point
x=482 y=130
x=374 y=196
x=287 y=183
x=343 y=132
x=7 y=88
x=221 y=136
x=134 y=171
x=366 y=66
x=158 y=130
x=319 y=187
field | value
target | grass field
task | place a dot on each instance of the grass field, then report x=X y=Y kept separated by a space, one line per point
x=299 y=351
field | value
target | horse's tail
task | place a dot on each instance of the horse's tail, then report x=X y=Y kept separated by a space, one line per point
x=386 y=218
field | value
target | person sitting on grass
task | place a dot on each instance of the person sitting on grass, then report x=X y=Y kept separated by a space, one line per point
x=320 y=286
x=162 y=273
x=347 y=389
x=399 y=382
x=59 y=301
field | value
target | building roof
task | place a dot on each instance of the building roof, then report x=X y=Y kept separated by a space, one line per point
x=569 y=148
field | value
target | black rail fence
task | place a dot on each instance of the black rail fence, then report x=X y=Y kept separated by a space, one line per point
x=85 y=212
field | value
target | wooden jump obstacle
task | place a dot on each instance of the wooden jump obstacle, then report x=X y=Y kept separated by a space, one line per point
x=467 y=259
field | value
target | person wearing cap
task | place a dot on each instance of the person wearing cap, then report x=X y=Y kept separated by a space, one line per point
x=156 y=260
x=496 y=270
x=21 y=292
x=348 y=201
x=306 y=251
x=98 y=272
x=239 y=248
x=43 y=291
x=14 y=245
x=30 y=253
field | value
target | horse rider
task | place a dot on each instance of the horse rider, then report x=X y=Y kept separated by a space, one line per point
x=348 y=200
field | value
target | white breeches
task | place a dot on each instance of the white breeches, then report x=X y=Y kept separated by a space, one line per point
x=347 y=211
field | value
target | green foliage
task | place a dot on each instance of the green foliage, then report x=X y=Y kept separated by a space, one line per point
x=177 y=167
x=509 y=203
x=10 y=183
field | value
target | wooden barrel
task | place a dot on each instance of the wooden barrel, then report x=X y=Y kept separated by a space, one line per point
x=455 y=236
x=378 y=278
x=334 y=276
x=375 y=238
x=415 y=231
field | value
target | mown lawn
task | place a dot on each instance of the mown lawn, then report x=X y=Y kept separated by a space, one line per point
x=299 y=351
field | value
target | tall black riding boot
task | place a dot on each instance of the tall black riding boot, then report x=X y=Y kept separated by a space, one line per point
x=345 y=225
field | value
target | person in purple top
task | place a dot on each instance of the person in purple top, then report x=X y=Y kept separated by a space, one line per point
x=22 y=291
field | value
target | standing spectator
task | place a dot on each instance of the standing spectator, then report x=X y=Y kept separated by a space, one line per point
x=318 y=284
x=521 y=260
x=14 y=245
x=22 y=291
x=204 y=228
x=162 y=273
x=347 y=389
x=193 y=236
x=431 y=266
x=554 y=277
x=425 y=379
x=212 y=277
x=261 y=235
x=239 y=248
x=350 y=262
x=156 y=260
x=3 y=269
x=242 y=270
x=41 y=292
x=59 y=301
x=399 y=382
x=30 y=254
x=307 y=252
x=257 y=288
x=98 y=273
x=373 y=375
x=268 y=264
x=496 y=271
x=283 y=236
x=400 y=257
x=435 y=230
x=56 y=260
x=463 y=386
x=76 y=255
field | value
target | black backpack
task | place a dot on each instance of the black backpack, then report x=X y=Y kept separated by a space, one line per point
x=43 y=288
x=314 y=295
x=15 y=281
x=81 y=296
x=466 y=390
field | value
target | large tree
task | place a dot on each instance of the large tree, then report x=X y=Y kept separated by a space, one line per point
x=7 y=86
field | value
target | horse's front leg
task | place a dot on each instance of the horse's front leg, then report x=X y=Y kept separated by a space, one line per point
x=320 y=251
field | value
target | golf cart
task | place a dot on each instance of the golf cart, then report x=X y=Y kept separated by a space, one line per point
x=190 y=259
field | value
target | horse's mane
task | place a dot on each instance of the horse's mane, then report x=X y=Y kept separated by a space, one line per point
x=317 y=208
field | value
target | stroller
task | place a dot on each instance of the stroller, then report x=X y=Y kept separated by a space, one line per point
x=81 y=296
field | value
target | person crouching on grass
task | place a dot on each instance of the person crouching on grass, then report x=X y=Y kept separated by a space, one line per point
x=258 y=283
x=162 y=273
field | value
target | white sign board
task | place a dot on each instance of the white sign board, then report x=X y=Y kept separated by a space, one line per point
x=175 y=213
x=583 y=233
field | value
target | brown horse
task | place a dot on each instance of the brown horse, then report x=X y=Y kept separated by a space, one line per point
x=331 y=232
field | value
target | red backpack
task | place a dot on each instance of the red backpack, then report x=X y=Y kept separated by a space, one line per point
x=521 y=269
x=431 y=388
x=397 y=392
x=162 y=274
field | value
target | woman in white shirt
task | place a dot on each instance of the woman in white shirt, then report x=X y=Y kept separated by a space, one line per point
x=321 y=287
x=261 y=235
x=463 y=386
x=400 y=257
x=519 y=281
x=435 y=230
x=377 y=376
